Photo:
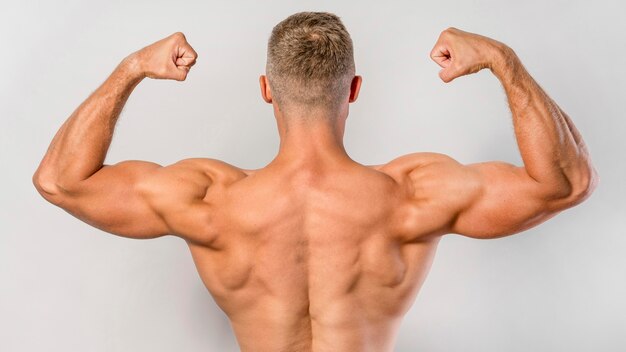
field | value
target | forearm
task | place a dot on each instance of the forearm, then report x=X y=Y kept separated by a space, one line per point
x=551 y=147
x=80 y=146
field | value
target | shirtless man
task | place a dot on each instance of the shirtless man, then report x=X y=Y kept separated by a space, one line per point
x=316 y=252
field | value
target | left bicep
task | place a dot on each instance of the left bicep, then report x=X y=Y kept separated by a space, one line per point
x=504 y=200
x=112 y=201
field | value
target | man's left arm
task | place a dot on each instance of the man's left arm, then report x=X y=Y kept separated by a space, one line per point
x=72 y=174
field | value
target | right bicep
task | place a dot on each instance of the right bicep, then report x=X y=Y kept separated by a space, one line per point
x=501 y=199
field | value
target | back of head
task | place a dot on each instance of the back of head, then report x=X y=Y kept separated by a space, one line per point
x=310 y=62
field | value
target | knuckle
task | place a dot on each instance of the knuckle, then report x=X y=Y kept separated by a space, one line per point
x=448 y=32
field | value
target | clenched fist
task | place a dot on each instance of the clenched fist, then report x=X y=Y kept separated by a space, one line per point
x=462 y=53
x=169 y=58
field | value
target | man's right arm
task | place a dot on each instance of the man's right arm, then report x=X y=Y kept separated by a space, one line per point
x=498 y=198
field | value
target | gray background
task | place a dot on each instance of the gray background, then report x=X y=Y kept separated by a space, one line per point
x=65 y=286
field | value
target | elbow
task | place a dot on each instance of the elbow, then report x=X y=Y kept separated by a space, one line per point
x=46 y=186
x=577 y=188
x=592 y=182
x=584 y=185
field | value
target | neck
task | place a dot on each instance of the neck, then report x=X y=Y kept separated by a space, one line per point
x=311 y=138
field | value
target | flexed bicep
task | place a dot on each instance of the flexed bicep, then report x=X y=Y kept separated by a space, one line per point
x=111 y=200
x=502 y=199
x=482 y=200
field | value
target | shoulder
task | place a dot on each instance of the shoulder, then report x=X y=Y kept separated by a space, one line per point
x=213 y=169
x=413 y=164
x=436 y=186
x=189 y=178
x=430 y=175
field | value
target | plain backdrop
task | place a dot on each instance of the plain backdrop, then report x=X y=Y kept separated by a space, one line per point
x=65 y=286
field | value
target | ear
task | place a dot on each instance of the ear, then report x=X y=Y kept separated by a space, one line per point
x=355 y=87
x=266 y=93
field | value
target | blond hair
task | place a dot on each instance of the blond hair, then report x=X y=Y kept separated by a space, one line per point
x=310 y=60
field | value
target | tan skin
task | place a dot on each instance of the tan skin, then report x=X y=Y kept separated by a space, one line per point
x=316 y=252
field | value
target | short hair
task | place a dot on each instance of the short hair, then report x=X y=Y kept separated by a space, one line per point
x=310 y=60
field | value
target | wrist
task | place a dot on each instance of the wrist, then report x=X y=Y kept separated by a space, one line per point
x=504 y=60
x=133 y=67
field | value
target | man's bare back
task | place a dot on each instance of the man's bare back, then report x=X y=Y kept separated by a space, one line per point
x=331 y=251
x=316 y=252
